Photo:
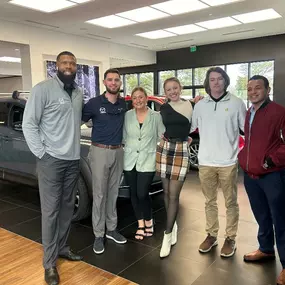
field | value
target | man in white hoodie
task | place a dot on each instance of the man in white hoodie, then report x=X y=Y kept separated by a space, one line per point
x=219 y=118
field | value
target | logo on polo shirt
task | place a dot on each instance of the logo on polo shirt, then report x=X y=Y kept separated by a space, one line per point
x=102 y=110
x=61 y=101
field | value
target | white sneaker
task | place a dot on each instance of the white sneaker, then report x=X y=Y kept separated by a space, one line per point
x=174 y=234
x=166 y=245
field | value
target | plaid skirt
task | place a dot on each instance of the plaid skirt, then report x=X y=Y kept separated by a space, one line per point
x=172 y=160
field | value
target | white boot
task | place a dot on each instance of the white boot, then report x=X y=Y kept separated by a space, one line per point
x=174 y=234
x=166 y=245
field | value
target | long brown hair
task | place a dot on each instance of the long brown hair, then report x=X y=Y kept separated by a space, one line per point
x=218 y=70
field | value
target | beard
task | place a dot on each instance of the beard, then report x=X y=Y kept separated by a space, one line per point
x=113 y=92
x=66 y=79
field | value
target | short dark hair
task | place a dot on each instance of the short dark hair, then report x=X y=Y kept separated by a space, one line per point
x=219 y=70
x=111 y=70
x=260 y=77
x=65 y=53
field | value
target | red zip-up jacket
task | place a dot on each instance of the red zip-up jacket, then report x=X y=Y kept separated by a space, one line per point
x=264 y=139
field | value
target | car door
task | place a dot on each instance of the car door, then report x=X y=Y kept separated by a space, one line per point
x=4 y=131
x=18 y=155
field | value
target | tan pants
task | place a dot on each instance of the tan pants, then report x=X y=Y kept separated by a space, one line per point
x=225 y=177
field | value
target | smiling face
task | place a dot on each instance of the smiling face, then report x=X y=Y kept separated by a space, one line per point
x=139 y=100
x=172 y=90
x=66 y=64
x=257 y=92
x=112 y=83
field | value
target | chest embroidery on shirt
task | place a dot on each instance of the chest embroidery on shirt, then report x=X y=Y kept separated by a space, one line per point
x=227 y=109
x=102 y=110
x=61 y=101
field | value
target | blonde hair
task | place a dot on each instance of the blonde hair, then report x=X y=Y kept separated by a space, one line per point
x=171 y=79
x=138 y=88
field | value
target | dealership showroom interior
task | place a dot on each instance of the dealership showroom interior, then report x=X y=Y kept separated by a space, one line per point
x=111 y=171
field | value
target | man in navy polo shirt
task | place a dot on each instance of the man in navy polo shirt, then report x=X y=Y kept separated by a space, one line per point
x=106 y=157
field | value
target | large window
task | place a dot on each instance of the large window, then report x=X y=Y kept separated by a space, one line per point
x=162 y=76
x=193 y=79
x=265 y=68
x=199 y=75
x=131 y=81
x=238 y=74
x=185 y=78
x=146 y=81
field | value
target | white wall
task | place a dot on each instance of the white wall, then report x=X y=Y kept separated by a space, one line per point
x=46 y=44
x=10 y=84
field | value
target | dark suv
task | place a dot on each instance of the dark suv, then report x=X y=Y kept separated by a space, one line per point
x=18 y=164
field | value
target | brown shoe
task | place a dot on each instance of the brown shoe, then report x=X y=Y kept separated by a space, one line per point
x=258 y=256
x=208 y=244
x=281 y=278
x=229 y=248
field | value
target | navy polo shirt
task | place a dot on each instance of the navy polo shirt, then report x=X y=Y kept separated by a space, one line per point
x=107 y=118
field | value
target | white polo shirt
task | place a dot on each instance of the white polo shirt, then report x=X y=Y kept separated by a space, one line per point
x=219 y=124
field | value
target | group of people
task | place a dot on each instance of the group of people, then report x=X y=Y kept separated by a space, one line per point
x=142 y=142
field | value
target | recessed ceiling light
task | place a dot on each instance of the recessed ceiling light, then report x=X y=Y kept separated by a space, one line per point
x=186 y=29
x=257 y=16
x=158 y=34
x=220 y=2
x=80 y=1
x=10 y=59
x=143 y=14
x=111 y=22
x=176 y=7
x=218 y=23
x=47 y=6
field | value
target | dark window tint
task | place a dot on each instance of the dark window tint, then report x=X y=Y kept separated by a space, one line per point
x=153 y=105
x=129 y=104
x=17 y=118
x=4 y=111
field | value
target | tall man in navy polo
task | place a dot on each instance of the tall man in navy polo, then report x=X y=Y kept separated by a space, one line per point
x=107 y=112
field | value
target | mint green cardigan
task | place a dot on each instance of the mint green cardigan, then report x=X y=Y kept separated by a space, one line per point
x=140 y=143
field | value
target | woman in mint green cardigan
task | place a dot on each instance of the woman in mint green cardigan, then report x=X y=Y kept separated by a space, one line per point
x=143 y=129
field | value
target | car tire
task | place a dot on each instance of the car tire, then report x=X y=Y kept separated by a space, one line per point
x=82 y=208
x=193 y=153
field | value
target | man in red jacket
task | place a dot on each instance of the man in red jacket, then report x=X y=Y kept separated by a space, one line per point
x=263 y=161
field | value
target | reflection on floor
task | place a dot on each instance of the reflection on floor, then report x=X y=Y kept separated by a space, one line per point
x=139 y=261
x=21 y=264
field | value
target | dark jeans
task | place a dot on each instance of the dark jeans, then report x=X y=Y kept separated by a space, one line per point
x=139 y=183
x=267 y=200
x=57 y=181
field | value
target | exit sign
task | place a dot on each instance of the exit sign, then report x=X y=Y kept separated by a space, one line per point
x=193 y=48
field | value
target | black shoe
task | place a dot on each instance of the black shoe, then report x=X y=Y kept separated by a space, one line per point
x=98 y=246
x=116 y=236
x=51 y=276
x=71 y=256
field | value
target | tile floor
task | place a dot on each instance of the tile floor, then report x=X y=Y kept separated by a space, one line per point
x=139 y=261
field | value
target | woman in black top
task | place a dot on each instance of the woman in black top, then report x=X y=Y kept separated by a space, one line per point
x=172 y=156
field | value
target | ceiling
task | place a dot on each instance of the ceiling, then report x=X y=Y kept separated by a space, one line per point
x=72 y=21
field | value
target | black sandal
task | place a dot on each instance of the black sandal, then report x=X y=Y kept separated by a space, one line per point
x=149 y=233
x=140 y=235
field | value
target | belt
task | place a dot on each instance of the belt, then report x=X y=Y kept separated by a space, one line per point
x=106 y=146
x=174 y=140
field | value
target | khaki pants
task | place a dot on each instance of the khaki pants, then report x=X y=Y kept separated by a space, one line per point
x=225 y=177
x=107 y=168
